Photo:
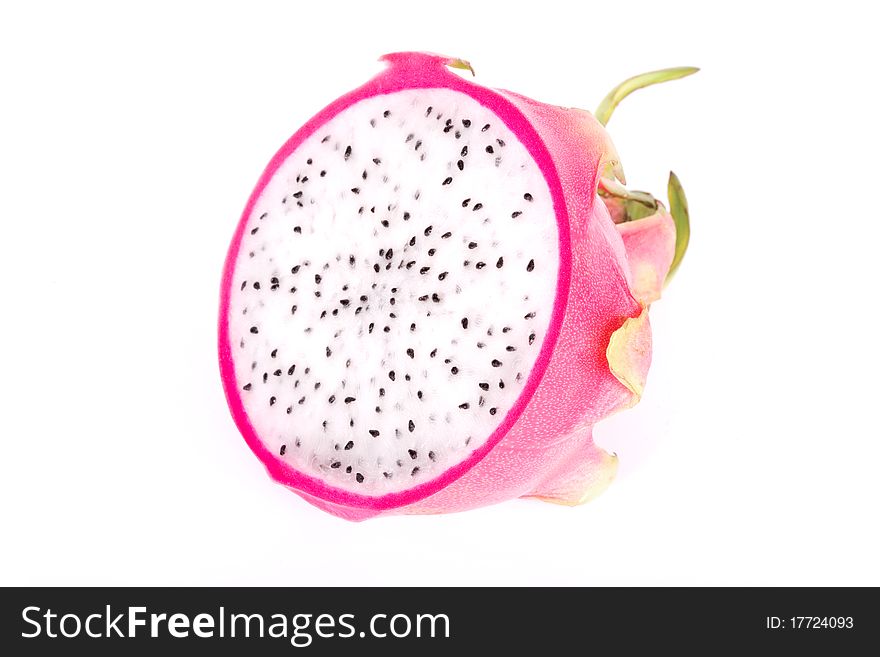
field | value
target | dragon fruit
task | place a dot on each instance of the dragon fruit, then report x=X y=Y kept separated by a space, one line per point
x=436 y=290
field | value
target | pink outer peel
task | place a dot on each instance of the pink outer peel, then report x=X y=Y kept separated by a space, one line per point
x=543 y=447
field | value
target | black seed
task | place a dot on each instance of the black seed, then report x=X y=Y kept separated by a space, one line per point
x=348 y=469
x=464 y=406
x=265 y=376
x=331 y=398
x=424 y=270
x=256 y=285
x=254 y=231
x=254 y=329
x=480 y=265
x=500 y=263
x=381 y=392
x=428 y=112
x=389 y=254
x=501 y=383
x=359 y=477
x=454 y=370
x=443 y=275
x=496 y=362
x=335 y=464
x=282 y=450
x=384 y=222
x=347 y=152
x=527 y=196
x=530 y=266
x=277 y=372
x=531 y=338
x=349 y=445
x=406 y=216
x=480 y=345
x=297 y=195
x=363 y=297
x=344 y=302
x=447 y=180
x=376 y=268
x=325 y=139
x=460 y=165
x=433 y=353
x=446 y=235
x=297 y=229
x=435 y=298
x=464 y=322
x=247 y=386
x=484 y=386
x=271 y=401
x=413 y=454
x=387 y=329
x=355 y=190
x=348 y=400
x=243 y=283
x=489 y=149
x=374 y=433
x=484 y=128
x=411 y=353
x=419 y=394
x=424 y=297
x=317 y=293
x=364 y=175
x=323 y=173
x=293 y=309
x=418 y=144
x=392 y=375
x=291 y=370
x=492 y=411
x=412 y=426
x=465 y=202
x=478 y=206
x=289 y=410
x=530 y=315
x=370 y=327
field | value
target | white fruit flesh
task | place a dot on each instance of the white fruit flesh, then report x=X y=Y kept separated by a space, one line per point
x=377 y=381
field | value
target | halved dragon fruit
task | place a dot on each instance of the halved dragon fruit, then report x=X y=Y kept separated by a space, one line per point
x=426 y=305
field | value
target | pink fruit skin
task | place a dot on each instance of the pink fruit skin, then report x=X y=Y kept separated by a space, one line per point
x=543 y=448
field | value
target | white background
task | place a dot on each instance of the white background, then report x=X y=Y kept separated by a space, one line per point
x=130 y=137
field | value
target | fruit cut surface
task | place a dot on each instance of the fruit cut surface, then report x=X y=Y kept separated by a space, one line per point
x=392 y=291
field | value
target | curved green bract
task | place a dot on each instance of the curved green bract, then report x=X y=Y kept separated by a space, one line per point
x=625 y=88
x=678 y=208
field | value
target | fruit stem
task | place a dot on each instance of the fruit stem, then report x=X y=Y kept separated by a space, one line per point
x=625 y=88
